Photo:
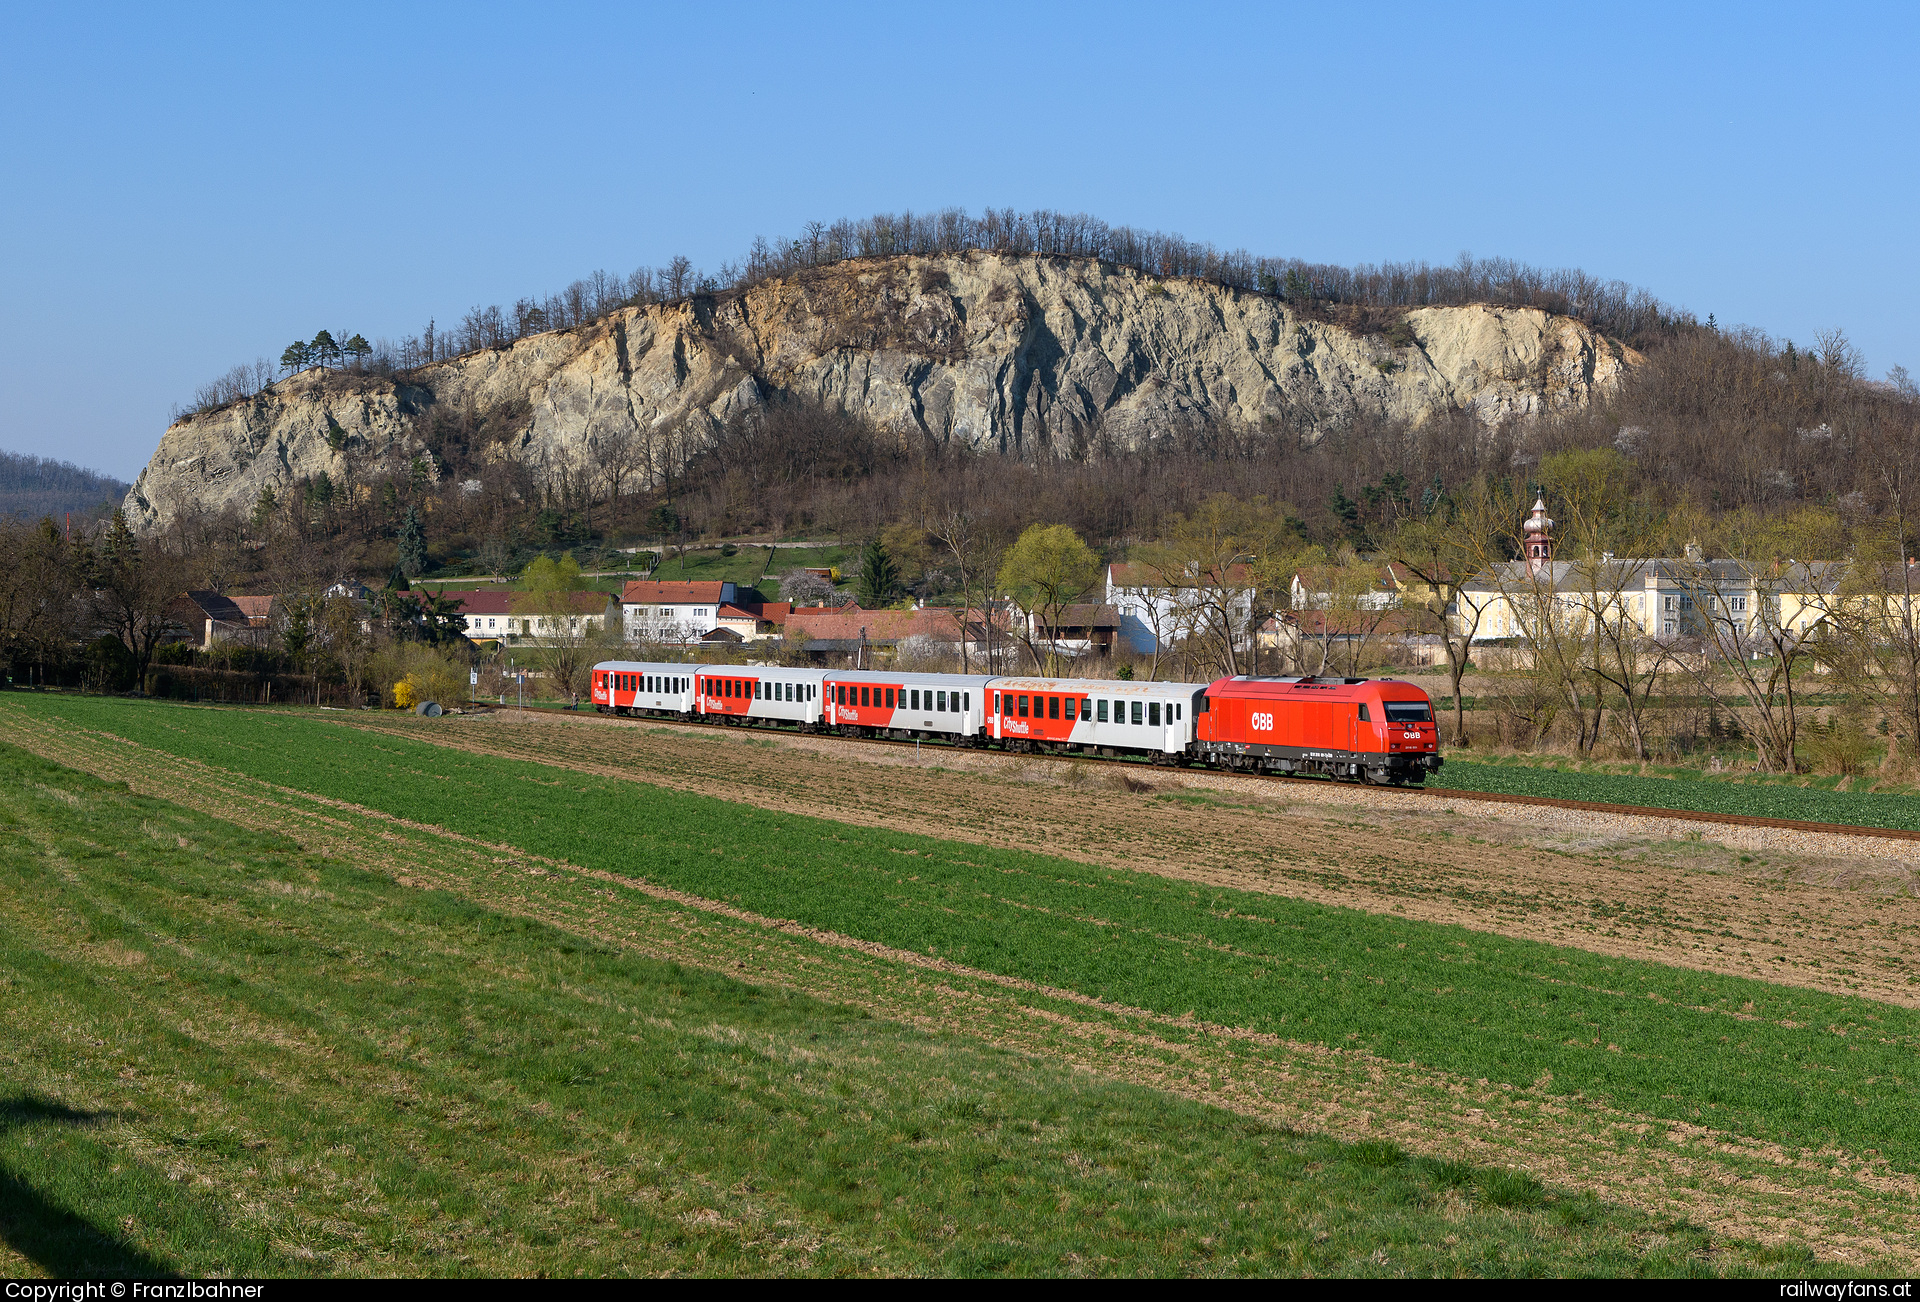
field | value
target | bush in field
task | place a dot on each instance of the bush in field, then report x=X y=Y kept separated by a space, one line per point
x=419 y=672
x=1839 y=747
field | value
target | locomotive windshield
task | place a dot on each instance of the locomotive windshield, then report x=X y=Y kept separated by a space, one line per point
x=1409 y=712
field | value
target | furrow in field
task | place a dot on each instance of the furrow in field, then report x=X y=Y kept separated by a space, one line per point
x=1853 y=1208
x=1836 y=926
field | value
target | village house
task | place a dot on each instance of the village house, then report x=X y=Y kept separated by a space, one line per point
x=1150 y=610
x=490 y=616
x=655 y=611
x=208 y=617
x=1659 y=597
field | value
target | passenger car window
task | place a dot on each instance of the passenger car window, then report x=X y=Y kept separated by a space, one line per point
x=1070 y=704
x=1102 y=703
x=1153 y=714
x=1023 y=707
x=940 y=702
x=1136 y=713
x=1053 y=707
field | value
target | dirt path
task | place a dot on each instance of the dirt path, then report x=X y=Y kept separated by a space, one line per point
x=1852 y=1209
x=1830 y=923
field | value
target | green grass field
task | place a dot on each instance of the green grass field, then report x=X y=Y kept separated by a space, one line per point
x=226 y=1054
x=1756 y=799
x=1801 y=1068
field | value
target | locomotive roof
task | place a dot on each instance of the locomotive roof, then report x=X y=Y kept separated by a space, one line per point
x=1310 y=688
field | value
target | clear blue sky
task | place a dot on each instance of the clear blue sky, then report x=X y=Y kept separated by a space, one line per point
x=187 y=187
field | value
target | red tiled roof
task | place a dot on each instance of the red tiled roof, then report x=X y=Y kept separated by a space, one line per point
x=845 y=624
x=647 y=592
x=255 y=607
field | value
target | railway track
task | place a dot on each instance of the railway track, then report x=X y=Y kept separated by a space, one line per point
x=1440 y=793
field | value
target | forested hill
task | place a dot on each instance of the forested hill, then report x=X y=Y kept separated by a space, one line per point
x=1032 y=358
x=37 y=486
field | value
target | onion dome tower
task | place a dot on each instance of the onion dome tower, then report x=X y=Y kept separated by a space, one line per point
x=1539 y=544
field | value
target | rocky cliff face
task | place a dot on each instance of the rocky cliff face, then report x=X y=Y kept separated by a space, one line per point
x=1026 y=356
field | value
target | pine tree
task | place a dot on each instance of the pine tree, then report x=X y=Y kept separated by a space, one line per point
x=323 y=350
x=413 y=543
x=297 y=357
x=879 y=576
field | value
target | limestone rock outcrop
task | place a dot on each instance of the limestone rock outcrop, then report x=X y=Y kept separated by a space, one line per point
x=1028 y=356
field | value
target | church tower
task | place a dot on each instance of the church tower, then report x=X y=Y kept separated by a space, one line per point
x=1539 y=544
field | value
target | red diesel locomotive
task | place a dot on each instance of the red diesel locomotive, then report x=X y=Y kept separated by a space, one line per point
x=1375 y=730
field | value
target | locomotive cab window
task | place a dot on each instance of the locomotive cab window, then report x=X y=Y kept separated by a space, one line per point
x=1409 y=712
x=1364 y=716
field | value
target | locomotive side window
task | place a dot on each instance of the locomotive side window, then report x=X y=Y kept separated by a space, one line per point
x=1409 y=712
x=1364 y=716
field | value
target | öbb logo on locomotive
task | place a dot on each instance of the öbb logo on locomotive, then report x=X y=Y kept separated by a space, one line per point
x=1378 y=730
